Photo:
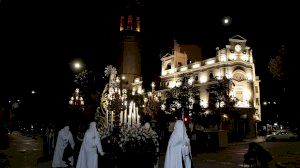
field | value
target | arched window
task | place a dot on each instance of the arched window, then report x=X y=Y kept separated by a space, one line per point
x=211 y=76
x=239 y=77
x=196 y=78
x=168 y=66
x=179 y=64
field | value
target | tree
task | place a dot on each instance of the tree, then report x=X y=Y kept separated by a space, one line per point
x=220 y=101
x=179 y=100
x=278 y=65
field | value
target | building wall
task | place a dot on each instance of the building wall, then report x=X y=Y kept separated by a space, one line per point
x=235 y=62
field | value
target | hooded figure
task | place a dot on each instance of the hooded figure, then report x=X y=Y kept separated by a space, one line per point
x=64 y=137
x=179 y=150
x=88 y=157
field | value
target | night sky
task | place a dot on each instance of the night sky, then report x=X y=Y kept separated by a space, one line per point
x=39 y=39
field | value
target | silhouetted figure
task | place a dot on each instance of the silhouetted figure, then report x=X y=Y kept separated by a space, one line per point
x=258 y=153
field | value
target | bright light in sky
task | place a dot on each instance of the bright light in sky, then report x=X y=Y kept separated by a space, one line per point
x=226 y=21
x=77 y=65
x=33 y=92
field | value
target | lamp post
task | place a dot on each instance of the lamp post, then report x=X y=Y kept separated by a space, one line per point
x=76 y=100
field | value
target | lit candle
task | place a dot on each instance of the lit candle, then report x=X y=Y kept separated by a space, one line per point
x=125 y=116
x=133 y=115
x=121 y=117
x=129 y=120
x=112 y=118
x=137 y=115
x=106 y=118
x=130 y=113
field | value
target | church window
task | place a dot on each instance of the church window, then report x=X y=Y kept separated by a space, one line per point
x=168 y=66
x=239 y=77
x=256 y=89
x=211 y=76
x=239 y=95
x=129 y=22
x=196 y=78
x=122 y=23
x=138 y=24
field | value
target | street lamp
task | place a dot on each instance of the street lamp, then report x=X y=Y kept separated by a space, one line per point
x=76 y=99
x=153 y=86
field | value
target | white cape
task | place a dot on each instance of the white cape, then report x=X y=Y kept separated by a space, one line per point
x=64 y=136
x=88 y=157
x=177 y=150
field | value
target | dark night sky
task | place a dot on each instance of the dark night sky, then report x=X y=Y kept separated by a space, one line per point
x=39 y=39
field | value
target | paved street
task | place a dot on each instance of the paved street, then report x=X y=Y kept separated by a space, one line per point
x=25 y=151
x=287 y=153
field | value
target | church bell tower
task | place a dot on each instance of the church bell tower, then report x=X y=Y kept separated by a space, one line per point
x=130 y=41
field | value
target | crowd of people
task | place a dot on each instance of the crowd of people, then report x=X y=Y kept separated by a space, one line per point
x=83 y=152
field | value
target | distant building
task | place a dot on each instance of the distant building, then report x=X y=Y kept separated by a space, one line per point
x=235 y=62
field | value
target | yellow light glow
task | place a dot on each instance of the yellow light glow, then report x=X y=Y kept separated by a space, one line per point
x=152 y=84
x=247 y=95
x=196 y=66
x=183 y=69
x=136 y=80
x=203 y=78
x=232 y=57
x=223 y=58
x=245 y=57
x=249 y=75
x=190 y=81
x=210 y=62
x=204 y=103
x=171 y=71
x=77 y=65
x=178 y=83
x=172 y=84
x=228 y=75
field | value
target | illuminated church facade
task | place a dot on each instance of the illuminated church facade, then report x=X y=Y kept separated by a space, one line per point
x=234 y=62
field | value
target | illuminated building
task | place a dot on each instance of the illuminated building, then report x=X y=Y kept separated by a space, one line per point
x=235 y=62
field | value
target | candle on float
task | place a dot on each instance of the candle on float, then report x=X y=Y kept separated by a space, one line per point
x=112 y=118
x=129 y=120
x=138 y=120
x=121 y=117
x=125 y=116
x=133 y=115
x=137 y=114
x=106 y=118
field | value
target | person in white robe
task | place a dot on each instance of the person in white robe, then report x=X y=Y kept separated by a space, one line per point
x=88 y=157
x=64 y=137
x=178 y=153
